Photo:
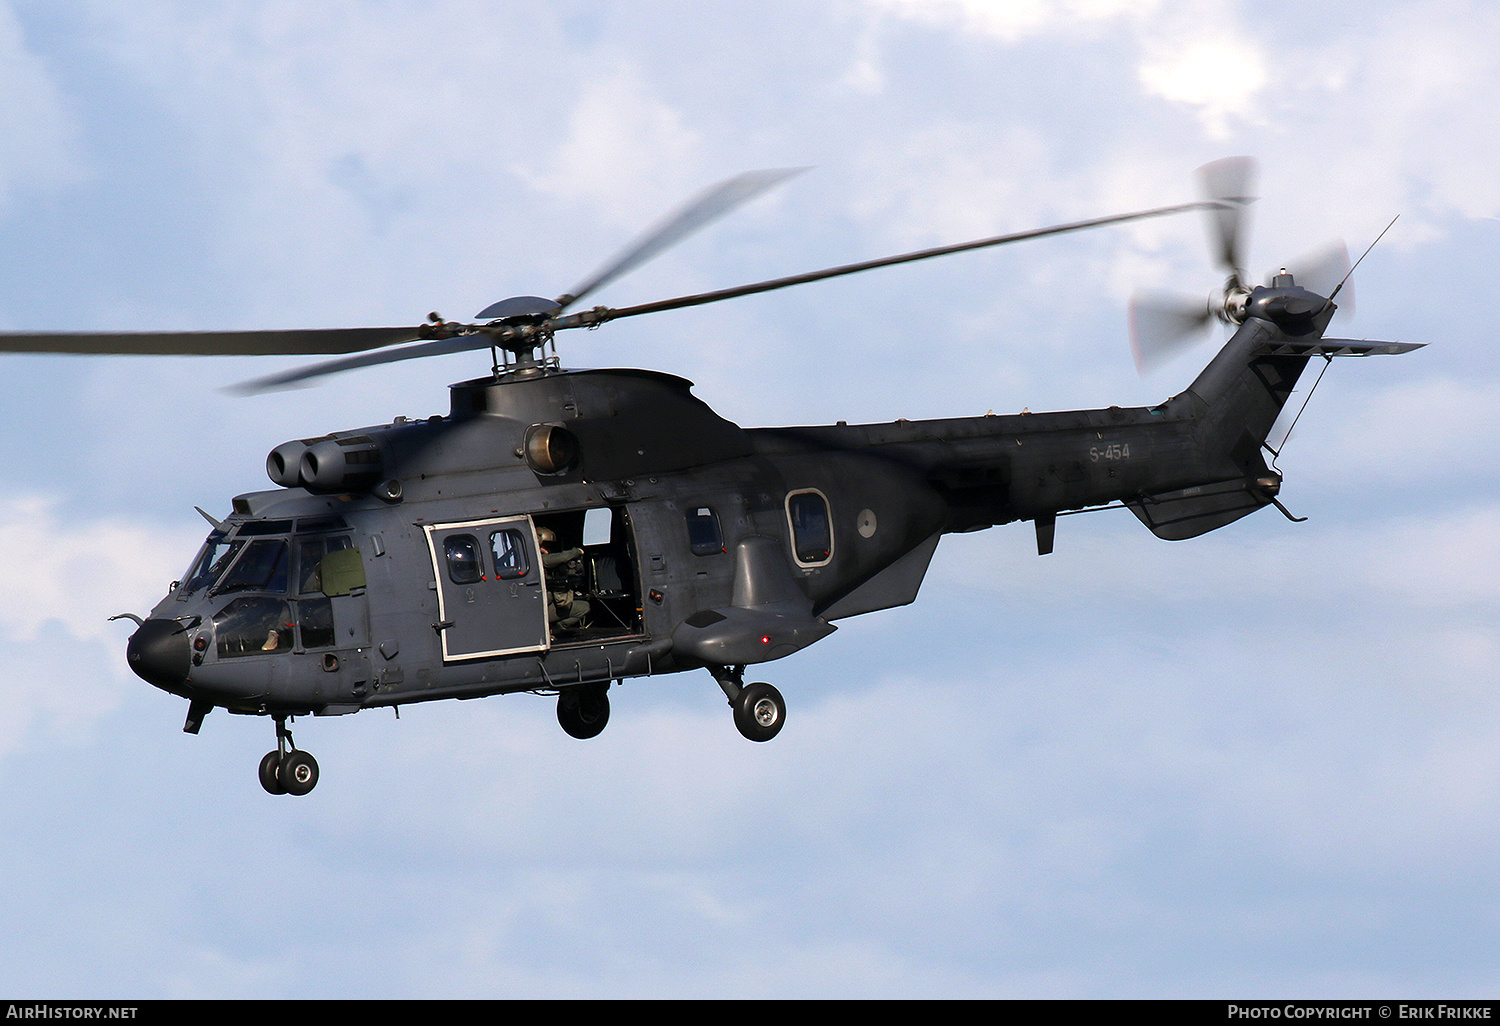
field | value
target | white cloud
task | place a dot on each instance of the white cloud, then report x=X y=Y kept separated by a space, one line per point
x=624 y=150
x=38 y=133
x=1222 y=76
x=1009 y=21
x=63 y=581
x=77 y=574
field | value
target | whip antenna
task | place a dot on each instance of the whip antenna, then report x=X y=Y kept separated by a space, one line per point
x=1362 y=256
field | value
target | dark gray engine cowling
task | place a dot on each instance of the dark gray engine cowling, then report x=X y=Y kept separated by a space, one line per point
x=329 y=465
x=284 y=463
x=351 y=464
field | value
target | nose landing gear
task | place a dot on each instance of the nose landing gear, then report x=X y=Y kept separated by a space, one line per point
x=286 y=769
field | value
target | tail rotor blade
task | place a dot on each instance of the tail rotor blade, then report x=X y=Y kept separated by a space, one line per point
x=1228 y=182
x=1163 y=325
x=1322 y=270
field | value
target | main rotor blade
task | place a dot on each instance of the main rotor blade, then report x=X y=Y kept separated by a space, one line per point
x=599 y=315
x=706 y=208
x=296 y=342
x=435 y=347
x=699 y=212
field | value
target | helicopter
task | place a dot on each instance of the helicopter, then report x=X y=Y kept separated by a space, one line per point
x=561 y=530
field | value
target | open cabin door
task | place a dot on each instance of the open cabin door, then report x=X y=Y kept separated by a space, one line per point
x=491 y=598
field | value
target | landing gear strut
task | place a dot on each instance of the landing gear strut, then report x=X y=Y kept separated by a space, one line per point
x=759 y=709
x=285 y=769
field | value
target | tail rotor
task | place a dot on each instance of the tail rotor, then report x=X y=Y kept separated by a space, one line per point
x=1163 y=324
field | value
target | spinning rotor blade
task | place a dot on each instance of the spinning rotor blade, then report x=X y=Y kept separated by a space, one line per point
x=1162 y=325
x=599 y=315
x=1227 y=183
x=1322 y=270
x=300 y=342
x=473 y=337
x=708 y=207
x=436 y=347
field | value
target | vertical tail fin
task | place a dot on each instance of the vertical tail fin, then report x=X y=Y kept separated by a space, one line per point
x=1235 y=403
x=1238 y=398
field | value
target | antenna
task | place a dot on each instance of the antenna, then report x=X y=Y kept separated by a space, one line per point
x=1362 y=257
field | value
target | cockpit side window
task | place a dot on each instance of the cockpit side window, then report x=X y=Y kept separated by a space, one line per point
x=253 y=626
x=310 y=561
x=261 y=567
x=315 y=578
x=315 y=615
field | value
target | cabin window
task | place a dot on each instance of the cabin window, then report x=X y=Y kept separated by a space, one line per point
x=462 y=552
x=262 y=567
x=253 y=626
x=509 y=552
x=812 y=529
x=598 y=526
x=703 y=531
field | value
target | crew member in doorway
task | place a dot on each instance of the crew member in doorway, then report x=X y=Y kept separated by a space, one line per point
x=566 y=610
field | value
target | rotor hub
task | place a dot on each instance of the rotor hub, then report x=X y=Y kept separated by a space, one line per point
x=1235 y=303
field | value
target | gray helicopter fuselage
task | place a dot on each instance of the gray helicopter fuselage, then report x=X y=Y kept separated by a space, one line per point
x=711 y=544
x=559 y=531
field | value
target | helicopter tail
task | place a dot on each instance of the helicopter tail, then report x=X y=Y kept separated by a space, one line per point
x=1236 y=401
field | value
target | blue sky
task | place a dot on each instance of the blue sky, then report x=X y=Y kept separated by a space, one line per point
x=1261 y=762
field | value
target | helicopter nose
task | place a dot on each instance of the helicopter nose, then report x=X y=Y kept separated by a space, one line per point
x=158 y=653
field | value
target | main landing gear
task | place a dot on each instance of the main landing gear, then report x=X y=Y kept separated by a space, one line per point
x=286 y=769
x=759 y=709
x=583 y=710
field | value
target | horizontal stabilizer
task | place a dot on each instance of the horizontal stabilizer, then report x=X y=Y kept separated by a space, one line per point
x=1189 y=512
x=1338 y=347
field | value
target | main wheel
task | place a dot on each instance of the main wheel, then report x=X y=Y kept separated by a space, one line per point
x=299 y=772
x=270 y=773
x=759 y=712
x=583 y=711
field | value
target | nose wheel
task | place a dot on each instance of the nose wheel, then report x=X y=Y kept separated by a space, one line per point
x=286 y=769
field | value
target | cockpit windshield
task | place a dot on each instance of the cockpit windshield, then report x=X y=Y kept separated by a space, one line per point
x=263 y=567
x=254 y=562
x=213 y=559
